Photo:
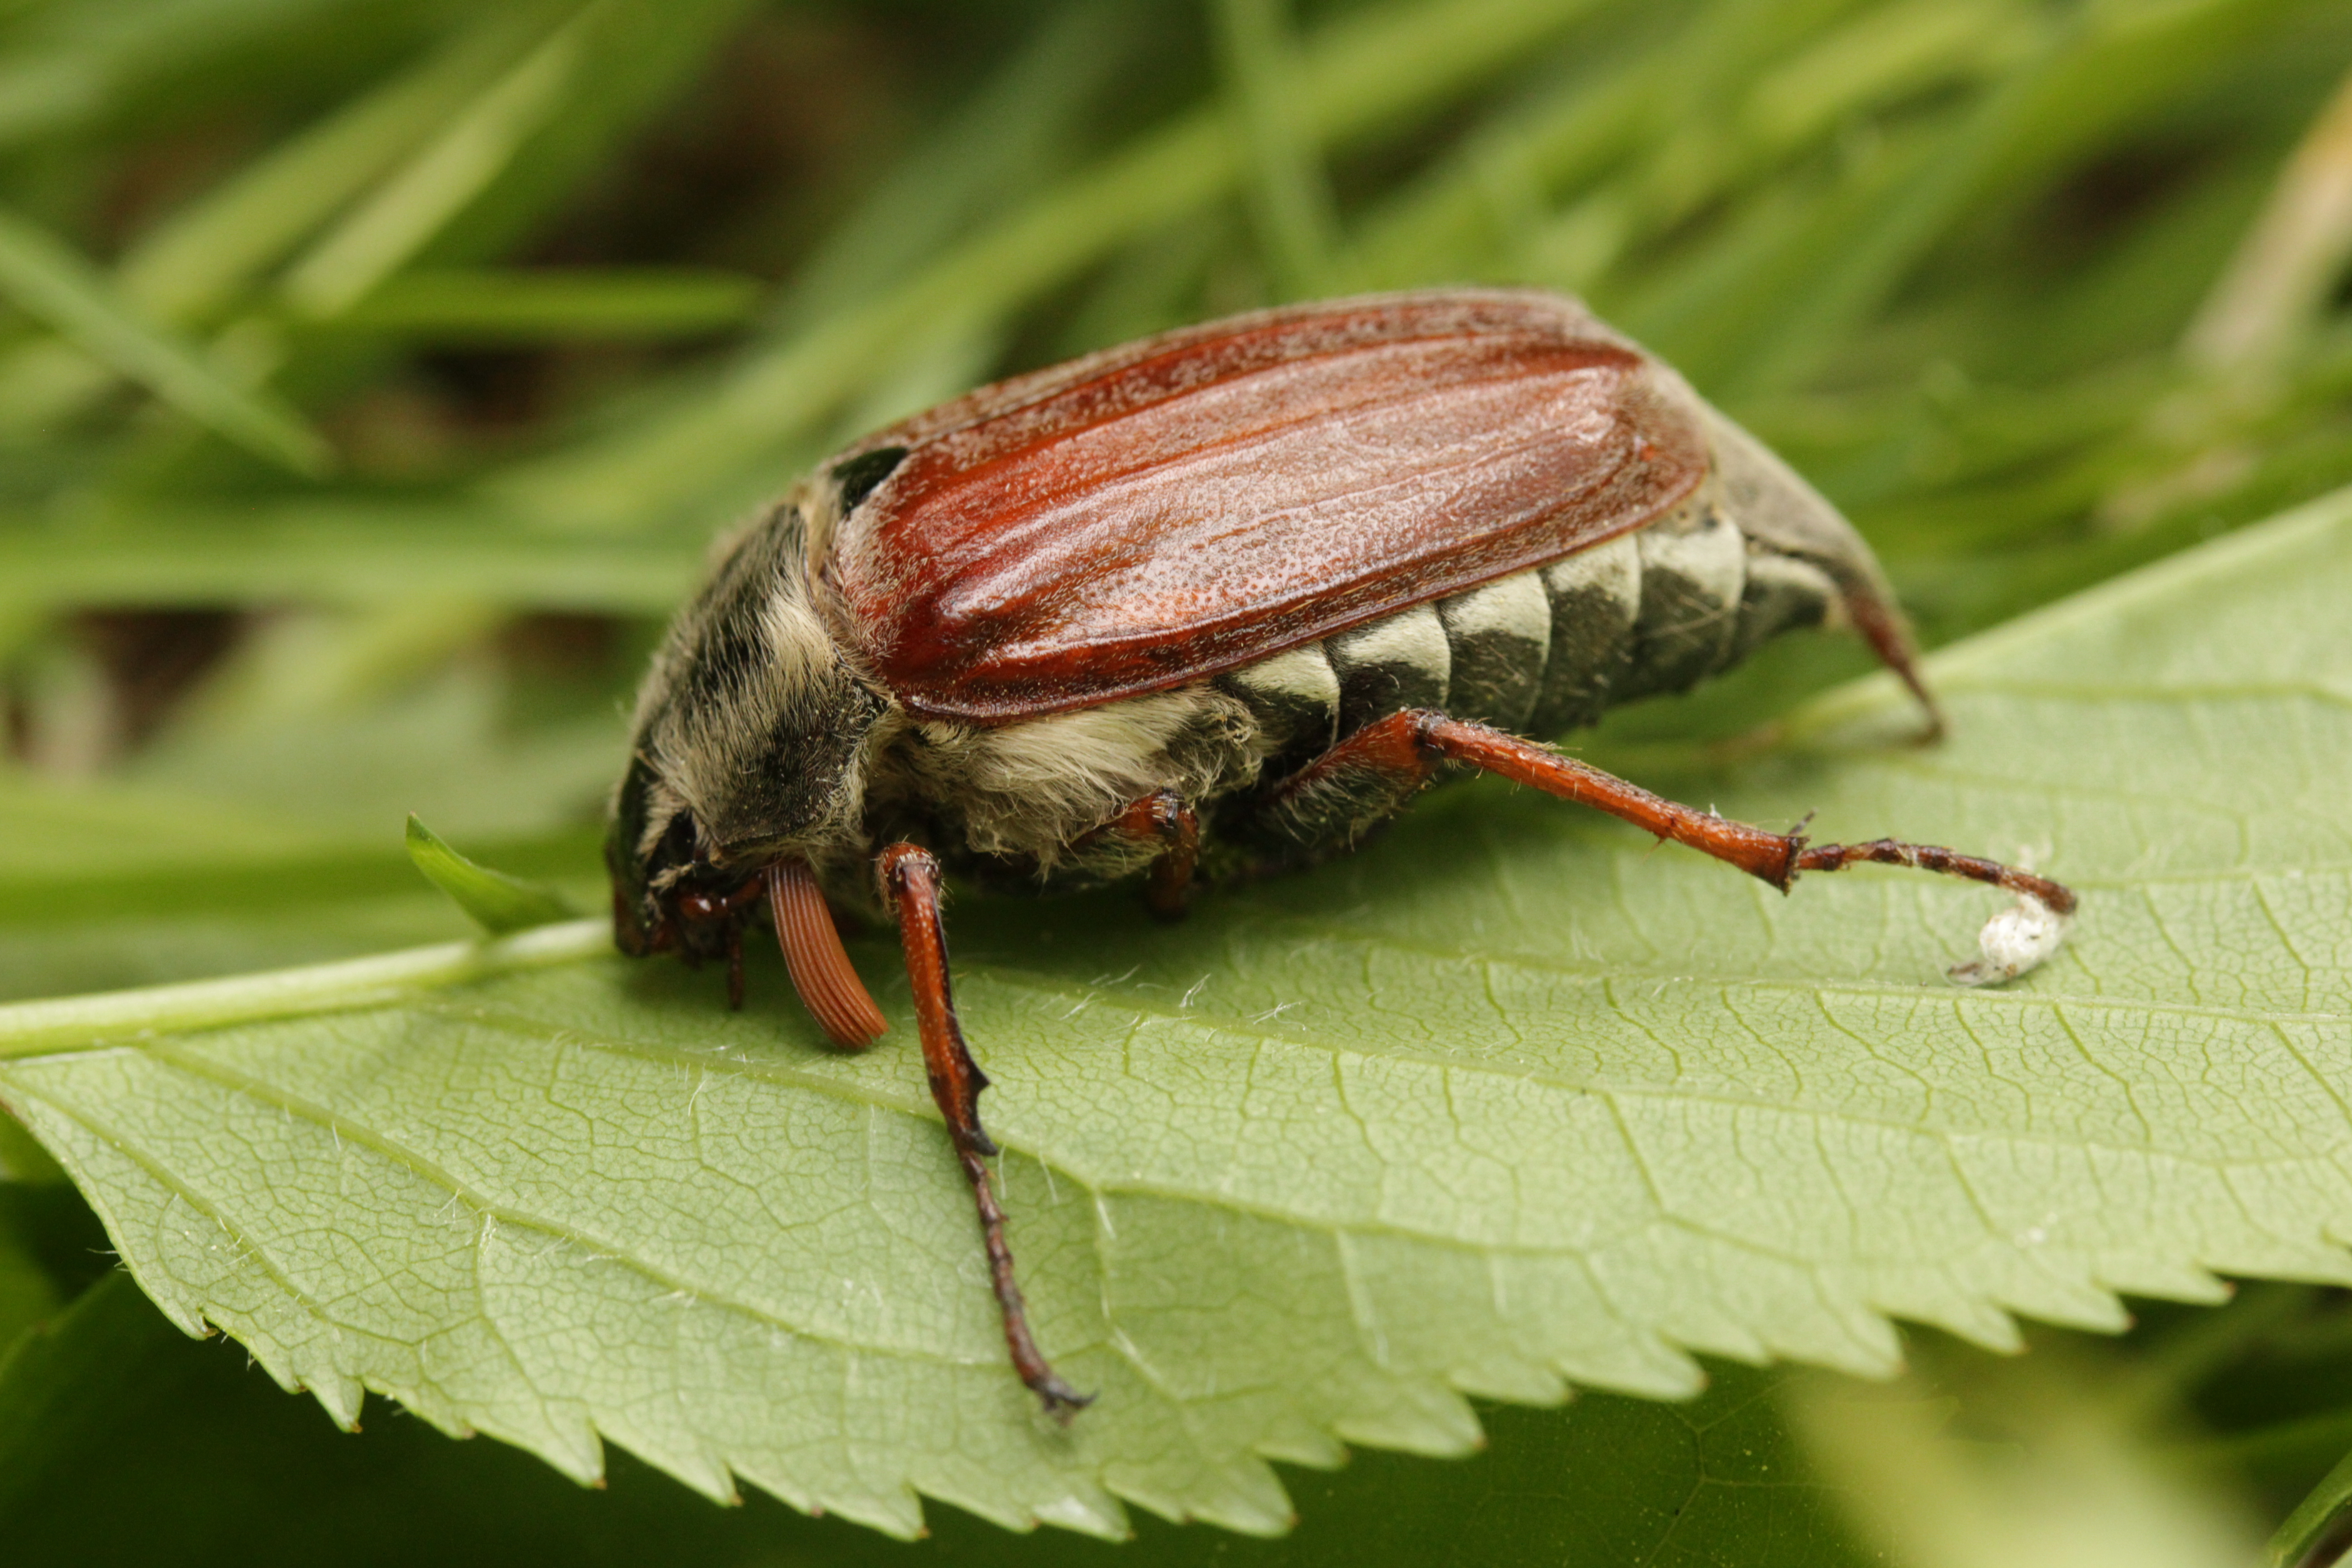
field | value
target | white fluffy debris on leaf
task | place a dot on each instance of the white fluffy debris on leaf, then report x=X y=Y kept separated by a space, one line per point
x=2013 y=942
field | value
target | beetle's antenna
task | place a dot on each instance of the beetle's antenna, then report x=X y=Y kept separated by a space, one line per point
x=822 y=972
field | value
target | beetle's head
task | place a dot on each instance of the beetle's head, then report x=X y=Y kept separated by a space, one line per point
x=749 y=753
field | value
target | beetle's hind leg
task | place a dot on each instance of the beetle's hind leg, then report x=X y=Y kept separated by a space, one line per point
x=1376 y=769
x=911 y=878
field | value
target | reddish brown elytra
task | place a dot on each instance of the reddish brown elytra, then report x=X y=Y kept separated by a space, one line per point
x=1214 y=602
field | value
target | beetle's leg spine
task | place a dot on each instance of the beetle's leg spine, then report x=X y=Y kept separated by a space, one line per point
x=911 y=876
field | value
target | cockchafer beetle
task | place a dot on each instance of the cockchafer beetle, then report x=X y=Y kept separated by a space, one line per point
x=1215 y=601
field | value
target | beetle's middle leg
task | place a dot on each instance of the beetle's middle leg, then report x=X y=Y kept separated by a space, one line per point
x=1375 y=771
x=911 y=878
x=1163 y=821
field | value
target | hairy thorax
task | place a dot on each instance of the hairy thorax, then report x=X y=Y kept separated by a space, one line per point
x=1019 y=803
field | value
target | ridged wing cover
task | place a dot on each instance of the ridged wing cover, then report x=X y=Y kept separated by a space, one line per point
x=1185 y=505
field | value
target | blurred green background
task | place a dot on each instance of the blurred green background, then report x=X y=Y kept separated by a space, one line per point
x=373 y=374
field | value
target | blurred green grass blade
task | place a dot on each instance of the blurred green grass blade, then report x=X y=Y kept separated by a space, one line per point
x=41 y=93
x=48 y=280
x=987 y=156
x=73 y=66
x=1298 y=223
x=928 y=370
x=2279 y=281
x=121 y=854
x=1152 y=284
x=1707 y=308
x=1372 y=71
x=319 y=664
x=2319 y=1531
x=1013 y=135
x=636 y=60
x=1654 y=104
x=28 y=1295
x=196 y=262
x=1880 y=54
x=463 y=747
x=2139 y=296
x=1856 y=244
x=498 y=903
x=417 y=201
x=336 y=551
x=1478 y=204
x=541 y=305
x=2095 y=70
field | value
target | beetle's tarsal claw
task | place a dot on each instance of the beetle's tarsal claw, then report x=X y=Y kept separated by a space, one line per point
x=2013 y=942
x=1060 y=1400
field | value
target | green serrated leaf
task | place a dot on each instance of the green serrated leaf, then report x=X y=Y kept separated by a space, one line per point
x=496 y=903
x=1508 y=1100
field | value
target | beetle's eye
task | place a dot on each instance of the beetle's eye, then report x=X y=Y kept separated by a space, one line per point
x=859 y=475
x=675 y=849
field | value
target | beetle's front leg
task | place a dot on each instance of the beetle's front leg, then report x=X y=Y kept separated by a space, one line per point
x=911 y=876
x=1162 y=821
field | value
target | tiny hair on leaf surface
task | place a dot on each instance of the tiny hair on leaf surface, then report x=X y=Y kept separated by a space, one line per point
x=1504 y=1104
